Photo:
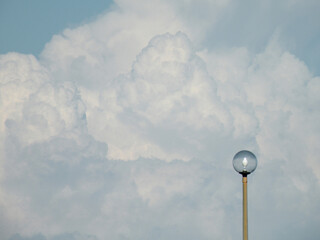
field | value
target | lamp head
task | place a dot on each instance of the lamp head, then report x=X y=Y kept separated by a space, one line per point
x=244 y=162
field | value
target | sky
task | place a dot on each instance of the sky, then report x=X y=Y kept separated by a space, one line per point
x=26 y=26
x=119 y=120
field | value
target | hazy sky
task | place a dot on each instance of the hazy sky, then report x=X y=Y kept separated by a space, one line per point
x=120 y=120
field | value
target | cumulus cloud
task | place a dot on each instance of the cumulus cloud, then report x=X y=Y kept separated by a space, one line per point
x=125 y=128
x=168 y=88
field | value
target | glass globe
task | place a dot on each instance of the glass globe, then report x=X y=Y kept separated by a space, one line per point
x=244 y=162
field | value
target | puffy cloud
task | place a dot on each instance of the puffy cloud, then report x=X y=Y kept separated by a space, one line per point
x=42 y=124
x=141 y=80
x=102 y=50
x=168 y=88
x=35 y=108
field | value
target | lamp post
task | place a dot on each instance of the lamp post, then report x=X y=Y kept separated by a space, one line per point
x=245 y=162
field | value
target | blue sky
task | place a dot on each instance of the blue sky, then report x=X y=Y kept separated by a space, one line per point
x=26 y=26
x=120 y=120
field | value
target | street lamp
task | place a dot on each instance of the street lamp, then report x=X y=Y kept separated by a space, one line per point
x=245 y=162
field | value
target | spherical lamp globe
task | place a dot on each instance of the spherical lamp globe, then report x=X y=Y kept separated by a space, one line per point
x=244 y=162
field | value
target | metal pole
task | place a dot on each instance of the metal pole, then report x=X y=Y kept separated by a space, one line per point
x=245 y=208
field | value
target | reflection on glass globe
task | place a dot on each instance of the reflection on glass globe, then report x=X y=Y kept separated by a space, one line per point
x=244 y=162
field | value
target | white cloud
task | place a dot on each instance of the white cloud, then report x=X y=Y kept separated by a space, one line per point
x=141 y=80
